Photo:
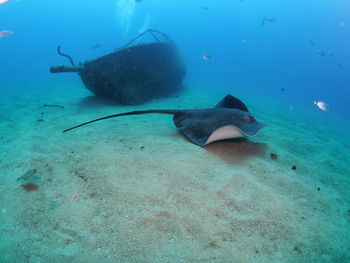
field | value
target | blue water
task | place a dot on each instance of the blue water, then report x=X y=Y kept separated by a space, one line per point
x=274 y=56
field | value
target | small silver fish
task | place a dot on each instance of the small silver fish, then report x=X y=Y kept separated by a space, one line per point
x=5 y=33
x=322 y=105
x=268 y=19
x=96 y=46
x=320 y=53
x=207 y=57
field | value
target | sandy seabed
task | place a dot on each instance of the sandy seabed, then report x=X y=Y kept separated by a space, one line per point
x=144 y=193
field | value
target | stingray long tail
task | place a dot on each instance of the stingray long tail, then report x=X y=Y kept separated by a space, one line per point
x=126 y=114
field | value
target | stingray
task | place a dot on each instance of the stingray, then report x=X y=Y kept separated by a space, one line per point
x=230 y=118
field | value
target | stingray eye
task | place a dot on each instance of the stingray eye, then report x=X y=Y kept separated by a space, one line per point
x=246 y=118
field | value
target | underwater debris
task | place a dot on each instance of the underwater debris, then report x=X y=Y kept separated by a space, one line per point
x=283 y=89
x=92 y=195
x=294 y=167
x=207 y=57
x=339 y=65
x=318 y=189
x=65 y=55
x=297 y=250
x=83 y=177
x=205 y=8
x=273 y=156
x=69 y=232
x=30 y=187
x=40 y=120
x=52 y=105
x=268 y=19
x=5 y=33
x=75 y=196
x=212 y=244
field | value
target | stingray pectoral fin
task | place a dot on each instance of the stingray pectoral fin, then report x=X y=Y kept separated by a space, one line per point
x=181 y=119
x=195 y=129
x=196 y=136
x=251 y=129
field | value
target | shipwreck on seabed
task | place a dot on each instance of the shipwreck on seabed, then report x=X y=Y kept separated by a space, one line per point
x=133 y=74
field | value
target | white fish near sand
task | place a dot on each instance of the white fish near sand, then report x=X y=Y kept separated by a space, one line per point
x=322 y=105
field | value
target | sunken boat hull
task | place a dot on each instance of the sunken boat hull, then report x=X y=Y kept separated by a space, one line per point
x=137 y=74
x=134 y=74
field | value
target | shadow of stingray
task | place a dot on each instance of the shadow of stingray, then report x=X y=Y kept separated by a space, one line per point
x=95 y=101
x=236 y=151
